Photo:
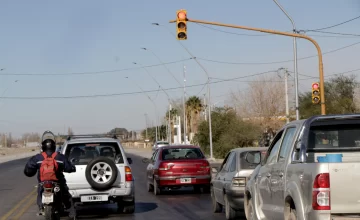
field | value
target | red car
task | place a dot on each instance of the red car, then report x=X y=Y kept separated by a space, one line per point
x=172 y=167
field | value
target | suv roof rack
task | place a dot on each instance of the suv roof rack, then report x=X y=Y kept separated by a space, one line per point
x=69 y=137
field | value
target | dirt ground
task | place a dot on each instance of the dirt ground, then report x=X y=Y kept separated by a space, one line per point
x=13 y=151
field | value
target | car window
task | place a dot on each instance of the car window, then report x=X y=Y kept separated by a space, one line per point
x=286 y=143
x=232 y=166
x=223 y=165
x=274 y=148
x=228 y=163
x=182 y=153
x=83 y=153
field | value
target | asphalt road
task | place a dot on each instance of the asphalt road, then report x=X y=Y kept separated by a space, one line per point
x=18 y=194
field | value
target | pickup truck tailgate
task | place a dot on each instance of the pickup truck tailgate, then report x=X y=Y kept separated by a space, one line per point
x=344 y=187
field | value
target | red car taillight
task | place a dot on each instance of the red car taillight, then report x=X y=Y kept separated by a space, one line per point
x=206 y=166
x=128 y=174
x=165 y=166
x=321 y=192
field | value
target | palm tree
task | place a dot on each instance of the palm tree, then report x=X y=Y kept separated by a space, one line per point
x=193 y=108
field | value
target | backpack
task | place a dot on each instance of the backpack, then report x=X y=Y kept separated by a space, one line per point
x=48 y=167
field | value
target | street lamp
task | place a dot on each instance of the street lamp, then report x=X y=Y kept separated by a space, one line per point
x=295 y=61
x=156 y=109
x=207 y=82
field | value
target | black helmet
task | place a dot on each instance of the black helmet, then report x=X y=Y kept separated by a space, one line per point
x=48 y=142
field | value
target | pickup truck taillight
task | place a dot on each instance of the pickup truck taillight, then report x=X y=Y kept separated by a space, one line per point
x=238 y=181
x=321 y=192
x=165 y=166
x=128 y=174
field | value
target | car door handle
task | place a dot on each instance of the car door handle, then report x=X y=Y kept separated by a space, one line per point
x=268 y=175
x=281 y=174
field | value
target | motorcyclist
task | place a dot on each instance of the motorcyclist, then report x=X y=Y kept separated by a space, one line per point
x=48 y=145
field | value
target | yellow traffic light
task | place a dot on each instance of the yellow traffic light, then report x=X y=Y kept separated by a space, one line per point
x=315 y=95
x=181 y=26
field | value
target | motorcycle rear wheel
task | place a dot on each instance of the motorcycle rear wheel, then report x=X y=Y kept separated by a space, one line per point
x=50 y=213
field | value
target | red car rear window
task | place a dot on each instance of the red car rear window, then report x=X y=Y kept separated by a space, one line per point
x=182 y=153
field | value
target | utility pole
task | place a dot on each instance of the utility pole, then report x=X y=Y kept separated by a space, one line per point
x=146 y=130
x=286 y=74
x=169 y=138
x=205 y=108
x=184 y=104
x=5 y=140
x=295 y=61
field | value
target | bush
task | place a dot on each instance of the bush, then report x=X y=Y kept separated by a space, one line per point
x=228 y=132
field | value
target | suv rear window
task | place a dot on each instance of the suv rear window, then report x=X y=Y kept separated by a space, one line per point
x=181 y=153
x=335 y=137
x=85 y=152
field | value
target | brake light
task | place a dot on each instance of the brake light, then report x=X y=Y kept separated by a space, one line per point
x=321 y=192
x=128 y=174
x=165 y=166
x=206 y=166
x=48 y=185
x=238 y=181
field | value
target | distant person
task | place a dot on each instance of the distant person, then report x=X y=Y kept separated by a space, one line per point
x=48 y=146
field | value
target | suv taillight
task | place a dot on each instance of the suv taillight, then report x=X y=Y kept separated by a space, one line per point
x=238 y=181
x=321 y=192
x=128 y=174
x=165 y=166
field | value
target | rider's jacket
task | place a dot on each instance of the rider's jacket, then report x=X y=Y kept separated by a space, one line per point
x=64 y=165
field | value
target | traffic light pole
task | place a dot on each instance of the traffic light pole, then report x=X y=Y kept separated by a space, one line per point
x=321 y=68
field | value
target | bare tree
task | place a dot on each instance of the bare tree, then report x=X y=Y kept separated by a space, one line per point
x=263 y=99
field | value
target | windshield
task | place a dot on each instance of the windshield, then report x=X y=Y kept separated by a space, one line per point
x=182 y=153
x=334 y=137
x=85 y=152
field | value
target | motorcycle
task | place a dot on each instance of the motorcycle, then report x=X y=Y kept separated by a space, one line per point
x=51 y=200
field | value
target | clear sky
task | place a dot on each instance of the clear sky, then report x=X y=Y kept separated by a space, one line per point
x=61 y=37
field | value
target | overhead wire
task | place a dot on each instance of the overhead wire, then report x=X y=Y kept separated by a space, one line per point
x=156 y=90
x=335 y=25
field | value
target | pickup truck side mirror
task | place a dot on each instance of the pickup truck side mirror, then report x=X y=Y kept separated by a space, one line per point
x=253 y=157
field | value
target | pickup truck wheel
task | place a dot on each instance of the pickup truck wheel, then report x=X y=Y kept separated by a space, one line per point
x=292 y=215
x=217 y=207
x=250 y=210
x=230 y=213
x=101 y=173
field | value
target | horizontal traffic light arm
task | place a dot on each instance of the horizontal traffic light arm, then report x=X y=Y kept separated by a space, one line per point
x=321 y=68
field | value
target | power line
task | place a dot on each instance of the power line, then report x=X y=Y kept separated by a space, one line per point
x=130 y=93
x=155 y=90
x=345 y=34
x=335 y=25
x=94 y=72
x=276 y=62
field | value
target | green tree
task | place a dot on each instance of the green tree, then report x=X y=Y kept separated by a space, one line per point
x=339 y=97
x=152 y=132
x=194 y=107
x=228 y=132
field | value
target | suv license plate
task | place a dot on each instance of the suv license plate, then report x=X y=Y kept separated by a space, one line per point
x=94 y=198
x=48 y=198
x=185 y=180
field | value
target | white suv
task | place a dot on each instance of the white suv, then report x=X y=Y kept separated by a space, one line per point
x=103 y=172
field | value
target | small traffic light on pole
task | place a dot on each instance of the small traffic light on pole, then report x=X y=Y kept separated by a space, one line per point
x=315 y=95
x=181 y=26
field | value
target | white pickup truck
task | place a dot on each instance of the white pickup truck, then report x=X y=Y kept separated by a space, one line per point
x=310 y=172
x=103 y=173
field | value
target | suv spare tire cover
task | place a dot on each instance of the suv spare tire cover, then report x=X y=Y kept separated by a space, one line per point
x=103 y=181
